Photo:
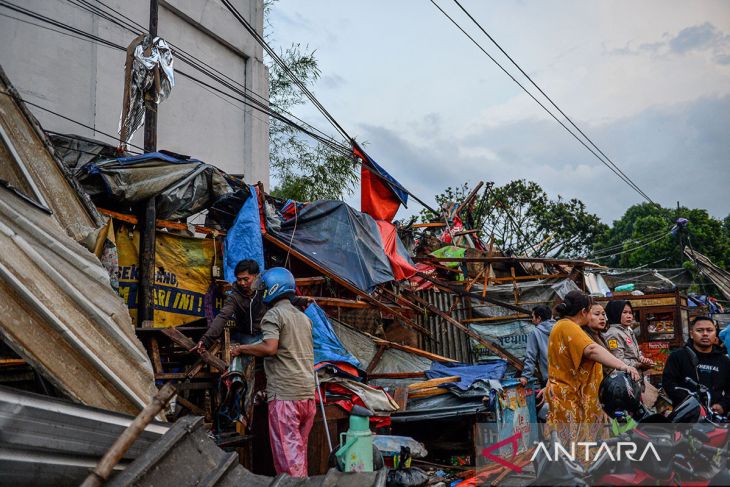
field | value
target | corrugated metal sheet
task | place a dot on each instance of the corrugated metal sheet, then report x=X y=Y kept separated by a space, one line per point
x=48 y=441
x=57 y=308
x=186 y=456
x=449 y=341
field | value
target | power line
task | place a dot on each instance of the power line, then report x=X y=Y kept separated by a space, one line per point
x=634 y=248
x=247 y=99
x=64 y=117
x=129 y=24
x=636 y=187
x=617 y=173
x=271 y=52
x=340 y=148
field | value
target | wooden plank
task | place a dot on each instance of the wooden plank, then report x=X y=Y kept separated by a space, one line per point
x=398 y=375
x=190 y=406
x=468 y=198
x=400 y=396
x=433 y=383
x=508 y=260
x=342 y=282
x=529 y=278
x=376 y=359
x=398 y=298
x=449 y=287
x=170 y=225
x=491 y=346
x=428 y=225
x=413 y=350
x=484 y=319
x=185 y=342
x=181 y=376
x=428 y=392
x=198 y=366
x=310 y=281
x=156 y=360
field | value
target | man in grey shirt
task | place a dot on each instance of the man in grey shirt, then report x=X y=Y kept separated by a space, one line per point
x=537 y=342
x=288 y=353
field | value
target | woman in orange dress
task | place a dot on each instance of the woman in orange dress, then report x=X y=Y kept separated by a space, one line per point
x=574 y=373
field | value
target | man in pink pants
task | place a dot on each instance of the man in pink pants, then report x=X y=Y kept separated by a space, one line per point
x=289 y=365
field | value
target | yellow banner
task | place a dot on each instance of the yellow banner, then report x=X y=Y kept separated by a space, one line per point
x=184 y=287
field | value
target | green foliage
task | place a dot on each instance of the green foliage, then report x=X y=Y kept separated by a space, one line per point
x=524 y=220
x=304 y=169
x=641 y=237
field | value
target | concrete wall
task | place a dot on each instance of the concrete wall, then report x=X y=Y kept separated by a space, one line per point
x=84 y=80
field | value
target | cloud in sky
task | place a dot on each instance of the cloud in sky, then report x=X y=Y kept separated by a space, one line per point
x=648 y=81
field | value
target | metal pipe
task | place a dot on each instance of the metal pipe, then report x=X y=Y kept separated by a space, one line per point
x=321 y=404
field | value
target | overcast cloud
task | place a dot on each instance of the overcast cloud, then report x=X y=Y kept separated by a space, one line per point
x=648 y=81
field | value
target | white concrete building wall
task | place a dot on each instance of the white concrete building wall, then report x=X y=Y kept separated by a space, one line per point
x=85 y=81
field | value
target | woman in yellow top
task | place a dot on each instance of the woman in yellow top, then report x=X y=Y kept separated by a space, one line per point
x=574 y=373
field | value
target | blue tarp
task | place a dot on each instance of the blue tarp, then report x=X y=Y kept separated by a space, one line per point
x=493 y=370
x=327 y=346
x=243 y=240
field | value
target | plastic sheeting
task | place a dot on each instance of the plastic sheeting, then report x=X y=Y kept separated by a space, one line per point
x=148 y=81
x=182 y=186
x=341 y=239
x=76 y=151
x=469 y=374
x=243 y=240
x=327 y=345
x=512 y=336
x=400 y=261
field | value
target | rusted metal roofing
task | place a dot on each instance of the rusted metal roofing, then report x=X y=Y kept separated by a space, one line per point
x=57 y=308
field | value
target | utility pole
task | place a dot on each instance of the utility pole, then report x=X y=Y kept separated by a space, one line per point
x=146 y=297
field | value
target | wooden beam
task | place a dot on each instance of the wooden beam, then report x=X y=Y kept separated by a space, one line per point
x=376 y=359
x=508 y=260
x=491 y=346
x=190 y=406
x=310 y=281
x=433 y=382
x=342 y=282
x=449 y=287
x=428 y=392
x=185 y=342
x=170 y=225
x=483 y=319
x=468 y=199
x=398 y=298
x=428 y=225
x=398 y=375
x=156 y=360
x=529 y=278
x=413 y=350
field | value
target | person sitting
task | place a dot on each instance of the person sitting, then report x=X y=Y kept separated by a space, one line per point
x=712 y=367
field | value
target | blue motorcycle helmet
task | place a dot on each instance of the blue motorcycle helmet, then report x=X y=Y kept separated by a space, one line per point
x=277 y=282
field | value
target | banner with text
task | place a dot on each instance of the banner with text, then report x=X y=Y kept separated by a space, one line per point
x=184 y=290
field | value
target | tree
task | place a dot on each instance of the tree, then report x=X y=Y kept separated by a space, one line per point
x=303 y=169
x=524 y=220
x=642 y=237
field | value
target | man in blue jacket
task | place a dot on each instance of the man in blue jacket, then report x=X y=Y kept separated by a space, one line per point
x=537 y=342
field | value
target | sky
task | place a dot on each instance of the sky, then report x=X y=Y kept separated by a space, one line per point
x=648 y=81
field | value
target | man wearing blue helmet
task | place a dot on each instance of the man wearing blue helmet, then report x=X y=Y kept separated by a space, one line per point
x=288 y=353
